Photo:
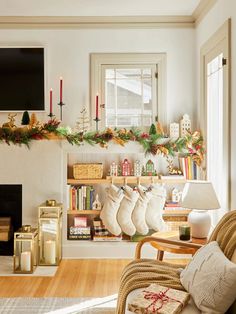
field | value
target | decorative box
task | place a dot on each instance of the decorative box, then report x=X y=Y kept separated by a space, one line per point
x=88 y=171
x=159 y=299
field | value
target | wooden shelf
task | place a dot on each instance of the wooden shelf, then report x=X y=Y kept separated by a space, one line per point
x=123 y=180
x=84 y=212
x=87 y=181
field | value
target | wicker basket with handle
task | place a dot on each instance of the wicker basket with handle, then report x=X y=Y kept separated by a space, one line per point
x=88 y=171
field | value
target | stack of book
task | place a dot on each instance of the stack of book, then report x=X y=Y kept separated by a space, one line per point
x=80 y=230
x=81 y=197
x=189 y=168
x=102 y=234
x=172 y=205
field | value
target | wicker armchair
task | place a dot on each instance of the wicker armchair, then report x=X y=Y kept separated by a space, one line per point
x=146 y=270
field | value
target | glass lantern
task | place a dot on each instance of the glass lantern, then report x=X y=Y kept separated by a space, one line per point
x=25 y=251
x=50 y=230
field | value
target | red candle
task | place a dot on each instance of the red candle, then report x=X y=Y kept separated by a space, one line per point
x=60 y=89
x=97 y=106
x=51 y=100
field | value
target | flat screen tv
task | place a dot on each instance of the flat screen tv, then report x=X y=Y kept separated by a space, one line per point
x=22 y=79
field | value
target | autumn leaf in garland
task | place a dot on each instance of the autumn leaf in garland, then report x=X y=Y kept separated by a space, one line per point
x=118 y=141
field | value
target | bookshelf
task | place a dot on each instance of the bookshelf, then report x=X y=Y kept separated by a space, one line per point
x=128 y=180
x=170 y=216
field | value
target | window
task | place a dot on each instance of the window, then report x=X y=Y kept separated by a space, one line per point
x=215 y=113
x=130 y=91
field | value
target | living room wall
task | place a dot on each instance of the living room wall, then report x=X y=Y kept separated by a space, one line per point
x=222 y=10
x=67 y=55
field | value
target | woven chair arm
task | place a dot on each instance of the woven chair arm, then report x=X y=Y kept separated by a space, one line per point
x=163 y=240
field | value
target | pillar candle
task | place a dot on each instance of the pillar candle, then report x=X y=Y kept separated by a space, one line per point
x=50 y=252
x=51 y=100
x=61 y=89
x=25 y=261
x=97 y=106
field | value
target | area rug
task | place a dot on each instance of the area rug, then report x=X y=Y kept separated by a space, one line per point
x=6 y=269
x=104 y=305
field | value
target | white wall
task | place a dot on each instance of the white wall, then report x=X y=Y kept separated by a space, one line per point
x=40 y=169
x=96 y=8
x=222 y=10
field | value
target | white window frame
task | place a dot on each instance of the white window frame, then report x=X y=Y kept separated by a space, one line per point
x=98 y=60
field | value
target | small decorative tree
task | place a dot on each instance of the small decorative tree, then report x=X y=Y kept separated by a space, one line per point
x=152 y=129
x=83 y=122
x=25 y=118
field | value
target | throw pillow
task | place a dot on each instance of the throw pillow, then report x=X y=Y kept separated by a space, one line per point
x=155 y=207
x=125 y=210
x=109 y=211
x=139 y=212
x=210 y=278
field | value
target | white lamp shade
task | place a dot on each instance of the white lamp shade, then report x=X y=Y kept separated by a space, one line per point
x=199 y=195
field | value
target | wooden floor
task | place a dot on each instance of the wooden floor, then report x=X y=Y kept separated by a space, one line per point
x=74 y=278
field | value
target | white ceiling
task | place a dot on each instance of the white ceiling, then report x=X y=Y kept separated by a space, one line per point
x=96 y=7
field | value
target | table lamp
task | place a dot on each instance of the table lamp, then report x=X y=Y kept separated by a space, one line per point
x=201 y=197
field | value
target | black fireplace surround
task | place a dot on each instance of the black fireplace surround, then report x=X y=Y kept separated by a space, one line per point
x=10 y=206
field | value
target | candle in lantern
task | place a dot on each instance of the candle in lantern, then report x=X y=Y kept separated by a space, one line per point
x=25 y=261
x=51 y=101
x=61 y=89
x=97 y=106
x=50 y=252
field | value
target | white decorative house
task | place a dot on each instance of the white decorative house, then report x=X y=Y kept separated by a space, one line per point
x=185 y=125
x=174 y=130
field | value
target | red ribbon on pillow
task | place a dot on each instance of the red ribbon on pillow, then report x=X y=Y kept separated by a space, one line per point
x=155 y=297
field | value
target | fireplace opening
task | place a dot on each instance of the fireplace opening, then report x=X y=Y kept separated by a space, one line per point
x=10 y=206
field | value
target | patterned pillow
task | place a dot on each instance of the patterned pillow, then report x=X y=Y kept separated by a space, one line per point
x=210 y=278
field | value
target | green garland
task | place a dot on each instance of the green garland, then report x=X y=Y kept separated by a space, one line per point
x=152 y=142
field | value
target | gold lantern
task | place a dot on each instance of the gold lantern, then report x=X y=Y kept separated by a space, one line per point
x=25 y=250
x=50 y=230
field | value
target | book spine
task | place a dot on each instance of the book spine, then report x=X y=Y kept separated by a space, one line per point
x=88 y=189
x=186 y=167
x=189 y=168
x=80 y=198
x=91 y=197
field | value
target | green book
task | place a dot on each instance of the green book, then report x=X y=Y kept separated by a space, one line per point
x=88 y=189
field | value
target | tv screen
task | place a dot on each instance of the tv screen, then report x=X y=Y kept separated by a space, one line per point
x=21 y=79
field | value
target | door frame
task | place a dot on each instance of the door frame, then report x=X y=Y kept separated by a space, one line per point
x=220 y=41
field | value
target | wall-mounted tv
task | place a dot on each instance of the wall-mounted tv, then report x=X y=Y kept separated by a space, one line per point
x=22 y=79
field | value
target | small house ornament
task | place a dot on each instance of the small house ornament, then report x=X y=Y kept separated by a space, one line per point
x=126 y=168
x=137 y=168
x=185 y=125
x=150 y=169
x=175 y=195
x=113 y=169
x=97 y=204
x=174 y=130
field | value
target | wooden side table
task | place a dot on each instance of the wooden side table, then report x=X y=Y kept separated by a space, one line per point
x=177 y=249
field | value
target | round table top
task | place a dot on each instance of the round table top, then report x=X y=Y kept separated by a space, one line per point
x=177 y=249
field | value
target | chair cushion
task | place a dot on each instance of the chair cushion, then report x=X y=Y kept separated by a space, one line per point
x=210 y=278
x=189 y=309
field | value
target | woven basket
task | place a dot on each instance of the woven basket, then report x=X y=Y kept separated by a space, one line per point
x=88 y=171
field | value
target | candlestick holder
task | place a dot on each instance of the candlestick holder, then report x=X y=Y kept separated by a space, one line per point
x=61 y=104
x=51 y=115
x=97 y=121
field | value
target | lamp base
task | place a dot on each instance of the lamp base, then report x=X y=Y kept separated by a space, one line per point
x=200 y=222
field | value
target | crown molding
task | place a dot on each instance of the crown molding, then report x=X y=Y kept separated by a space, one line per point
x=202 y=9
x=73 y=22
